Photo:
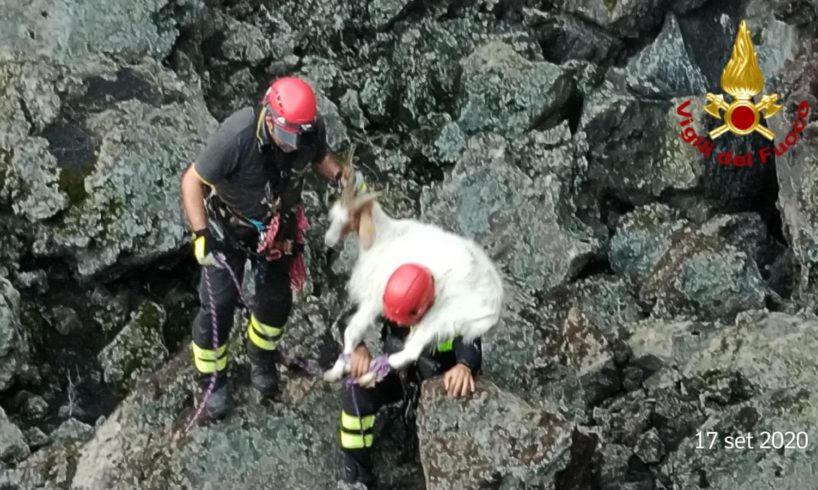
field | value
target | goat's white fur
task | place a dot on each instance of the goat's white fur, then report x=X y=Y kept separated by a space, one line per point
x=468 y=288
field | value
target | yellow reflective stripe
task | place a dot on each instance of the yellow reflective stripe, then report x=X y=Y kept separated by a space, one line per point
x=199 y=247
x=264 y=329
x=446 y=346
x=260 y=342
x=355 y=441
x=208 y=354
x=200 y=176
x=351 y=422
x=208 y=361
x=208 y=367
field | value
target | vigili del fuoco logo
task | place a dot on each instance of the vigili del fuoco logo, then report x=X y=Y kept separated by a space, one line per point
x=742 y=80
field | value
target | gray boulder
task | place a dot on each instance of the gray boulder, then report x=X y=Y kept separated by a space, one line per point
x=107 y=176
x=136 y=350
x=505 y=93
x=292 y=441
x=797 y=174
x=508 y=196
x=425 y=70
x=565 y=37
x=635 y=149
x=755 y=375
x=491 y=437
x=626 y=18
x=73 y=430
x=13 y=445
x=65 y=30
x=704 y=276
x=664 y=68
x=641 y=239
x=562 y=355
x=14 y=346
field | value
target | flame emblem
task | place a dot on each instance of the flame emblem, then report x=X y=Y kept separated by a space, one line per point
x=742 y=79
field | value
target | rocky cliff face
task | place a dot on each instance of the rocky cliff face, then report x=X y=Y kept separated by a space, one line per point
x=652 y=294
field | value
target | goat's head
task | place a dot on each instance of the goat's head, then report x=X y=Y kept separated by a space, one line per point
x=345 y=214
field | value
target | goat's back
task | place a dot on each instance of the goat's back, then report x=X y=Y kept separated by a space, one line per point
x=466 y=279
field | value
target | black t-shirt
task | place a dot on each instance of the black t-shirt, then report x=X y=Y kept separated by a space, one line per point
x=249 y=171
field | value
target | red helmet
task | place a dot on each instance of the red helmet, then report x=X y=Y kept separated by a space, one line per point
x=292 y=104
x=409 y=293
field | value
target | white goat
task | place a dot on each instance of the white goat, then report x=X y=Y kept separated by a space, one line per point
x=468 y=289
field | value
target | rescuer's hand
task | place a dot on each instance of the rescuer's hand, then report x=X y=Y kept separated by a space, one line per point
x=359 y=362
x=458 y=381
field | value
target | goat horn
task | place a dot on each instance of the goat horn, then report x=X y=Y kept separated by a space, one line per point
x=348 y=192
x=361 y=200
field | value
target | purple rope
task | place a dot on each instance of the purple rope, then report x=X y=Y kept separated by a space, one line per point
x=380 y=365
x=310 y=368
x=215 y=331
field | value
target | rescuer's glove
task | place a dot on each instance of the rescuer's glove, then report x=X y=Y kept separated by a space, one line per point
x=205 y=247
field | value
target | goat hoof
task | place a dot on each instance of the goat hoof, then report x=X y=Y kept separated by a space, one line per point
x=335 y=373
x=330 y=375
x=396 y=361
x=367 y=380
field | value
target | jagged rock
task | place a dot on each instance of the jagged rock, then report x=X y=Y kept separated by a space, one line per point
x=292 y=440
x=253 y=45
x=14 y=346
x=625 y=419
x=525 y=218
x=649 y=448
x=781 y=41
x=35 y=408
x=33 y=181
x=566 y=346
x=704 y=276
x=786 y=409
x=336 y=130
x=350 y=108
x=614 y=468
x=136 y=350
x=627 y=18
x=36 y=438
x=641 y=239
x=119 y=143
x=66 y=320
x=796 y=170
x=73 y=430
x=384 y=12
x=507 y=94
x=13 y=445
x=66 y=30
x=664 y=68
x=418 y=73
x=565 y=37
x=635 y=160
x=796 y=12
x=50 y=467
x=480 y=430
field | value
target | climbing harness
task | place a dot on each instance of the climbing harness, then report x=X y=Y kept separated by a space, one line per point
x=221 y=217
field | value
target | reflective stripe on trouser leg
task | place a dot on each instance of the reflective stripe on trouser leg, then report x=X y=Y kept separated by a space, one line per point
x=263 y=336
x=208 y=361
x=356 y=432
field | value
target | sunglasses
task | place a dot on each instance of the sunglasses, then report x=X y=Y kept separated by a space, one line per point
x=287 y=133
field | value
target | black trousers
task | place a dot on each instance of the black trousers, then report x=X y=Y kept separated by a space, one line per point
x=219 y=298
x=359 y=405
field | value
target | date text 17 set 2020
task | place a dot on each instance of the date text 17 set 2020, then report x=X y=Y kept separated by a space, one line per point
x=762 y=155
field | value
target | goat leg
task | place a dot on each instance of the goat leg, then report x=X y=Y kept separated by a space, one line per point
x=366 y=314
x=422 y=335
